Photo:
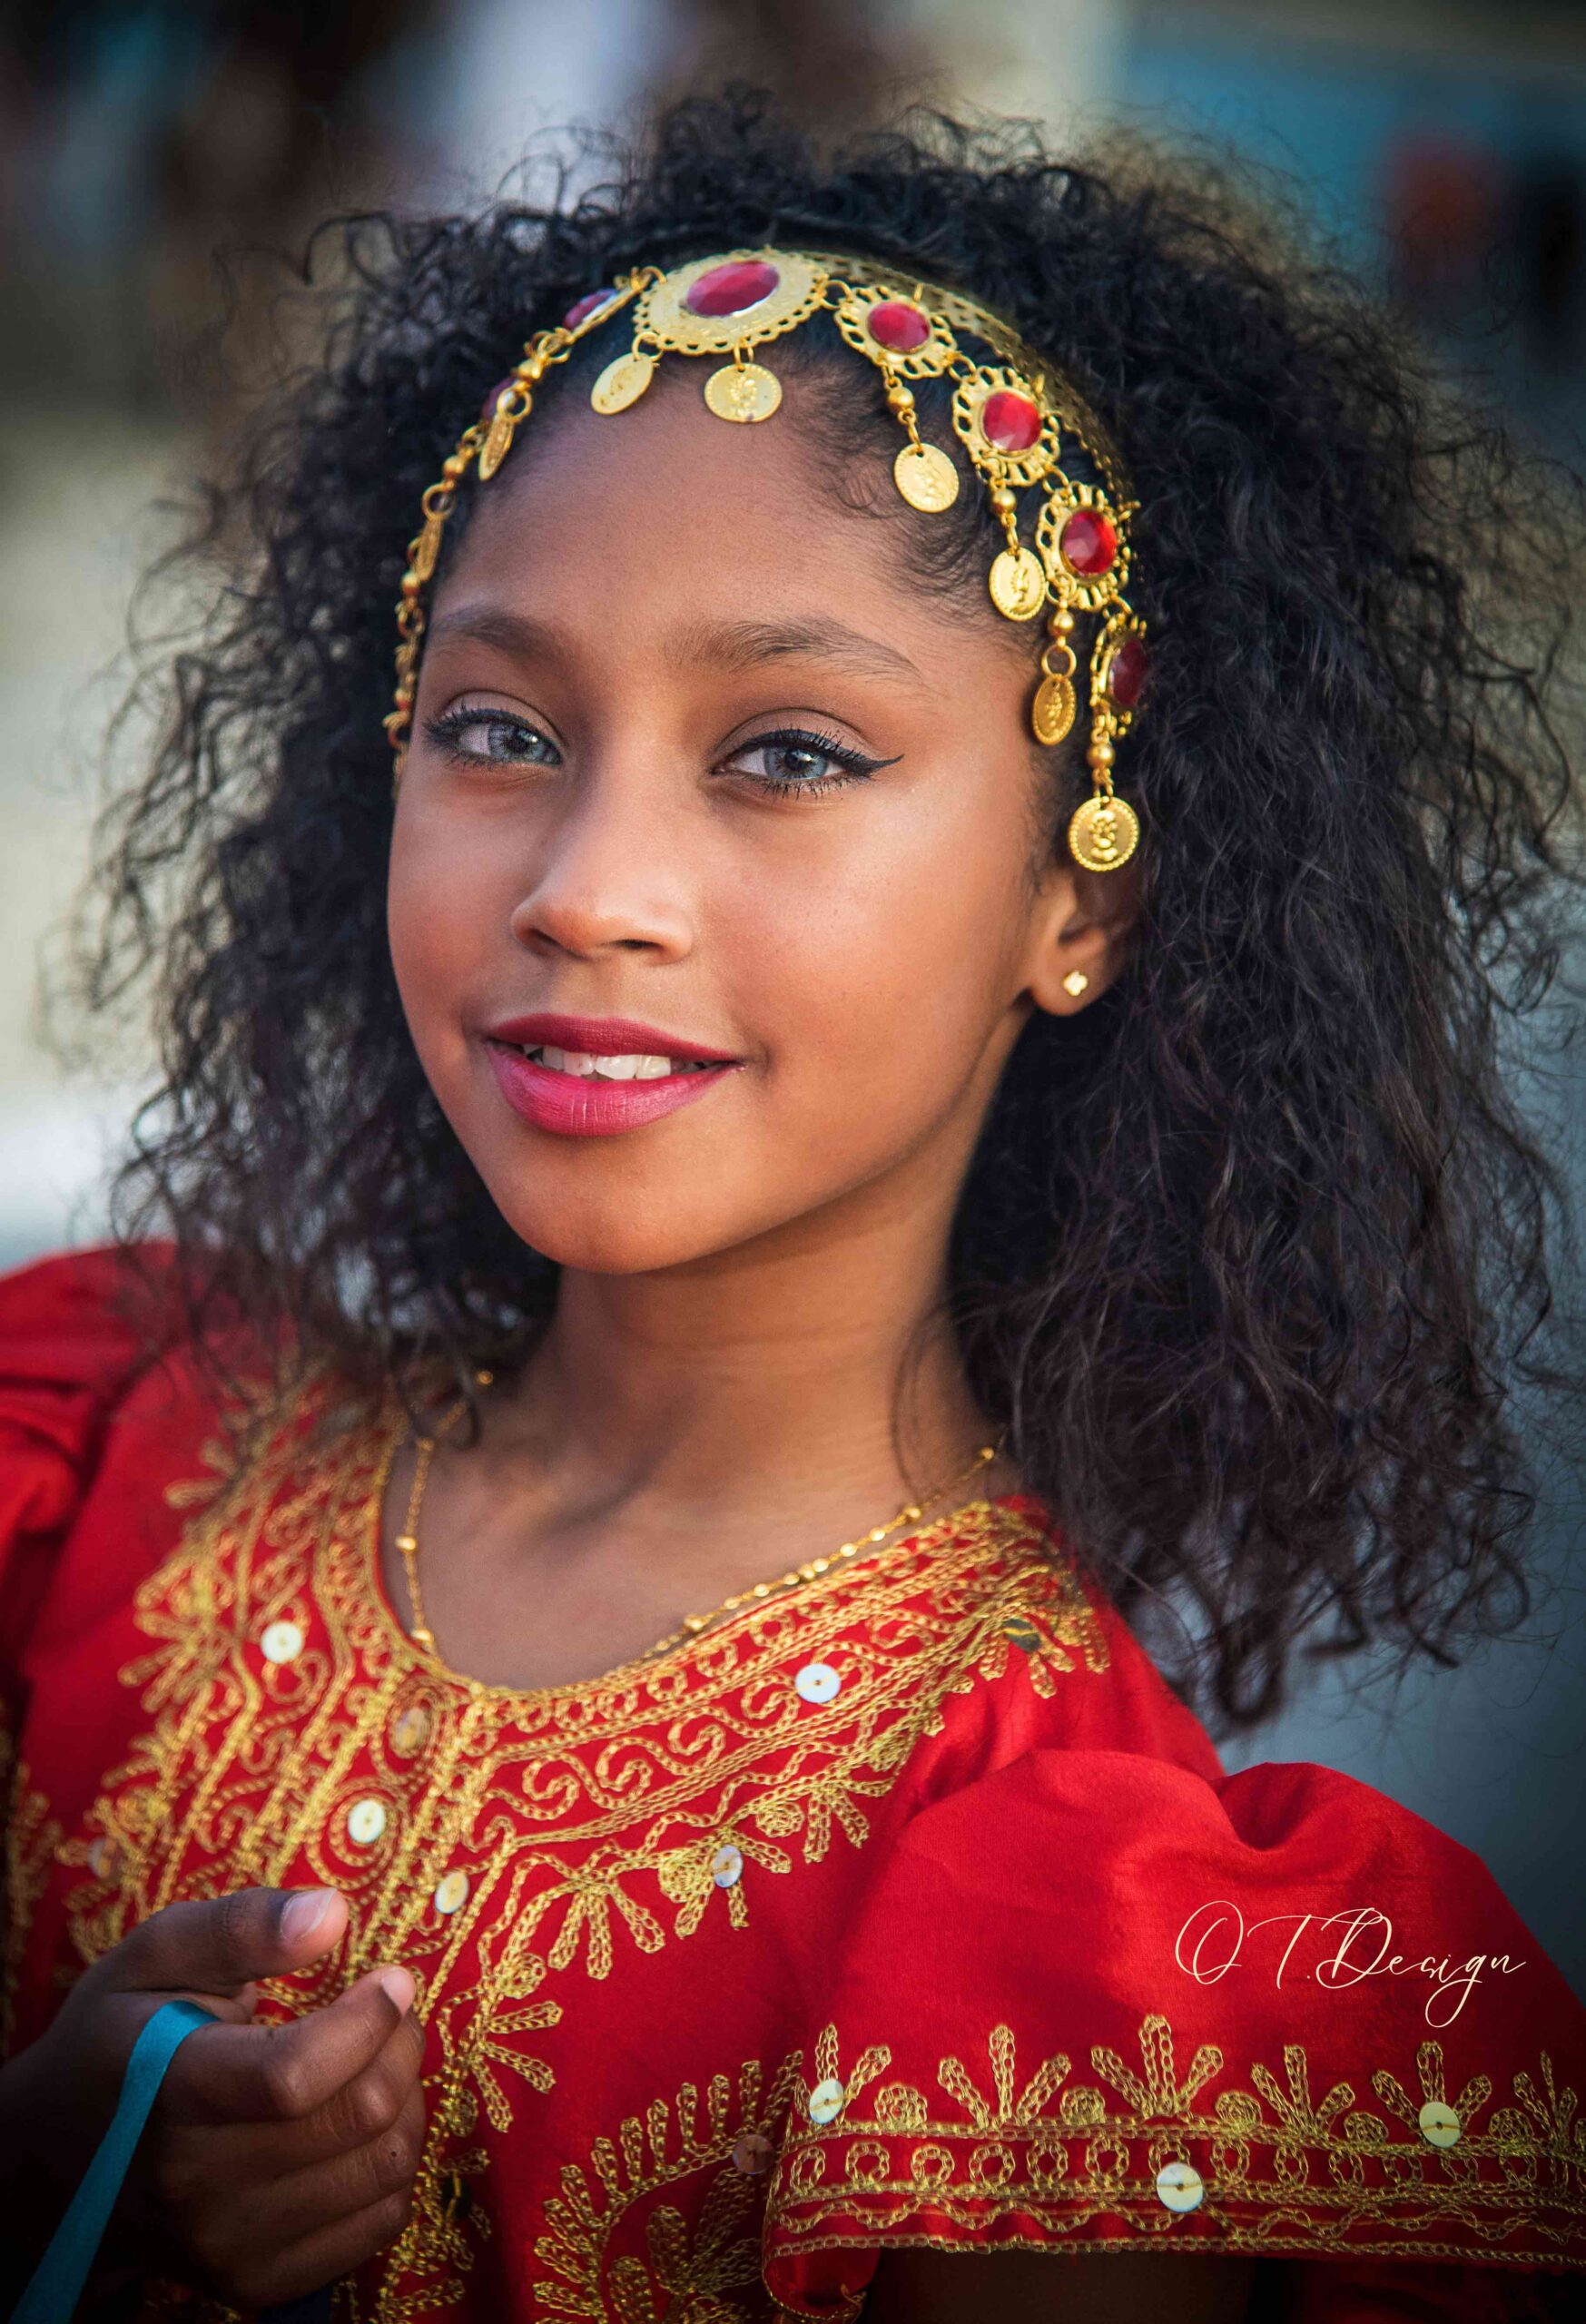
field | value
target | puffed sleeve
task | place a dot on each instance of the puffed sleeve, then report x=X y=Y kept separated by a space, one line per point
x=70 y=1339
x=1097 y=2001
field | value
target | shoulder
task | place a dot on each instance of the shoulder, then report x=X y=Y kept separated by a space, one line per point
x=1066 y=1671
x=75 y=1331
x=74 y=1313
x=102 y=1403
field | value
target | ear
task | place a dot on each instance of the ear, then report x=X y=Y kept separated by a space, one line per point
x=1084 y=927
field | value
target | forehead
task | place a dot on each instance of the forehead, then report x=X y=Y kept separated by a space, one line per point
x=665 y=514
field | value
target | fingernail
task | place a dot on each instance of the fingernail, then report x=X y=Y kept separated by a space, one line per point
x=302 y=1912
x=399 y=1985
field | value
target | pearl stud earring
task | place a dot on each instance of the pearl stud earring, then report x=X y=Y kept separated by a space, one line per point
x=1076 y=982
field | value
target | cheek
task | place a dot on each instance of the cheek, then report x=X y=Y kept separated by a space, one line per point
x=448 y=908
x=877 y=985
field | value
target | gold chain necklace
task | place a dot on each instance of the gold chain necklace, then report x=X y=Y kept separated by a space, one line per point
x=910 y=1515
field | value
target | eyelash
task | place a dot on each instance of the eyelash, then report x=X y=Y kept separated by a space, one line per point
x=447 y=729
x=856 y=765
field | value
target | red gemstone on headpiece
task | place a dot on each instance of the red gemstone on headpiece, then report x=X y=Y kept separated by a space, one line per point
x=898 y=326
x=1011 y=421
x=728 y=289
x=488 y=408
x=1089 y=542
x=582 y=309
x=1126 y=672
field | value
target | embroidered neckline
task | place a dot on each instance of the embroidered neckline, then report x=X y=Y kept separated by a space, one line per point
x=510 y=1849
x=403 y=1649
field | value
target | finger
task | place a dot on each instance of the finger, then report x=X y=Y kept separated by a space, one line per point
x=256 y=2152
x=362 y=2108
x=281 y=2073
x=98 y=2032
x=199 y=2172
x=322 y=2258
x=223 y=1943
x=319 y=2194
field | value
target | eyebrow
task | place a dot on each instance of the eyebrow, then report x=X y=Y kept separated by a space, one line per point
x=733 y=646
x=744 y=645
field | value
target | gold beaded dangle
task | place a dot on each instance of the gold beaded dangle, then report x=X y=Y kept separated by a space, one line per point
x=924 y=474
x=1017 y=580
x=515 y=400
x=1105 y=829
x=1051 y=714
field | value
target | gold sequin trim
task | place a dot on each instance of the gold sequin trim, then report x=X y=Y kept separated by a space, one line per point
x=1045 y=2160
x=1283 y=2172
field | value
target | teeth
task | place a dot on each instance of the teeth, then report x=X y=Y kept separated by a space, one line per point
x=609 y=1069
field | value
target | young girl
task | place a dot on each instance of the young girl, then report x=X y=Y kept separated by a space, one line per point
x=881 y=1164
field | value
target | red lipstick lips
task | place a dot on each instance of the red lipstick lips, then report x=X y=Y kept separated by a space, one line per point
x=574 y=1105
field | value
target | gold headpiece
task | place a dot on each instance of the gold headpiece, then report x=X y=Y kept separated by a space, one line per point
x=1010 y=412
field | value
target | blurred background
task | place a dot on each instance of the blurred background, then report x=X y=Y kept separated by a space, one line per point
x=149 y=154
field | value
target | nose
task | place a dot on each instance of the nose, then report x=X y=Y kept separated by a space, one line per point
x=609 y=879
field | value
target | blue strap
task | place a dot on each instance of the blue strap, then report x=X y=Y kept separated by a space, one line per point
x=58 y=2280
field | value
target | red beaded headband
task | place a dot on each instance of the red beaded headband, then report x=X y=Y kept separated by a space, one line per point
x=1010 y=413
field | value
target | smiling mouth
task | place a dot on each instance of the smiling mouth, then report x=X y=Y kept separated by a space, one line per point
x=584 y=1065
x=598 y=1093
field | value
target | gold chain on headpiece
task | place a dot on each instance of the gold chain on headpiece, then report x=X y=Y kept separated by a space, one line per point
x=1011 y=414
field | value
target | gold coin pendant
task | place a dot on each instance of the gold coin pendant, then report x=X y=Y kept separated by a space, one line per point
x=925 y=476
x=1018 y=583
x=623 y=382
x=1104 y=833
x=497 y=443
x=1051 y=714
x=742 y=391
x=429 y=548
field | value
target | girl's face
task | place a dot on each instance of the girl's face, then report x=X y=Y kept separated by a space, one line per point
x=718 y=895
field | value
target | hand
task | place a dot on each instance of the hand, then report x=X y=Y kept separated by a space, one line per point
x=276 y=2158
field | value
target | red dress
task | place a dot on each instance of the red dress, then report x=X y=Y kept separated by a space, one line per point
x=899 y=1910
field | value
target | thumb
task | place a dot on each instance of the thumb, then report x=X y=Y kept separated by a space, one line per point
x=223 y=1943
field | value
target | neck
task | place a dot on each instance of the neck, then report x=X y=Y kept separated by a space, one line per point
x=767 y=1376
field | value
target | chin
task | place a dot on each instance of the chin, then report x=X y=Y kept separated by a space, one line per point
x=618 y=1234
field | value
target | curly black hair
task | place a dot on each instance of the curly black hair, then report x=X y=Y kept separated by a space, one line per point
x=1255 y=1254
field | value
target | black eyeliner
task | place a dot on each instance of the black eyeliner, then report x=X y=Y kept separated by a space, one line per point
x=842 y=754
x=448 y=724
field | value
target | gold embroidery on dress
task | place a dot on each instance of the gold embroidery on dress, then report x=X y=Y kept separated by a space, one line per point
x=488 y=1837
x=682 y=2274
x=1053 y=2153
x=1272 y=2168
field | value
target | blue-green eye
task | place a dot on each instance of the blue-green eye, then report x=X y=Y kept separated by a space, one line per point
x=792 y=760
x=499 y=737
